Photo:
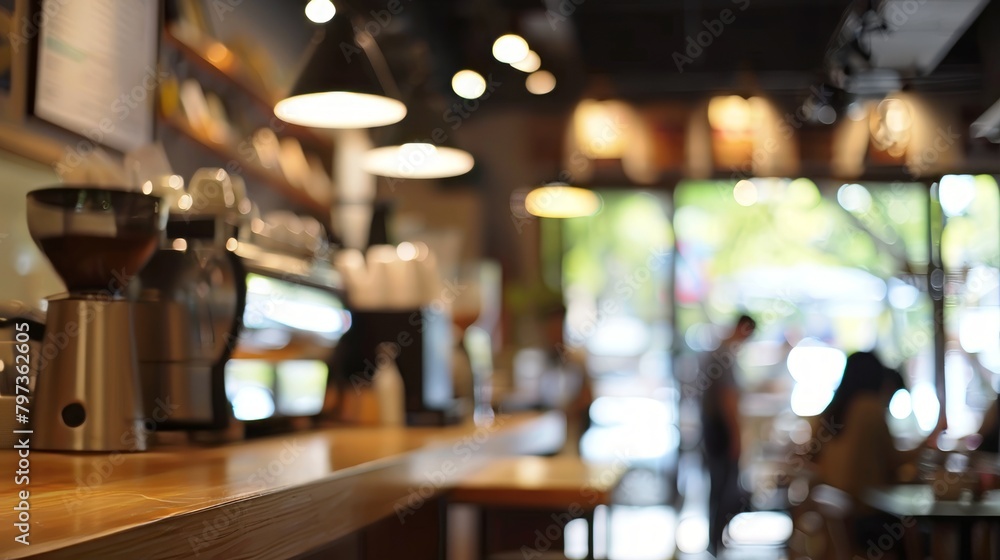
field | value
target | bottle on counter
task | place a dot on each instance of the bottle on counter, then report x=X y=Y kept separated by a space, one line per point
x=388 y=386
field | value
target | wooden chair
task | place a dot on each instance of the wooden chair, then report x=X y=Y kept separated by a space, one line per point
x=558 y=489
x=820 y=526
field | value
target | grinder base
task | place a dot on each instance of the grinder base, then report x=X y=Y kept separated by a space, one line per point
x=87 y=394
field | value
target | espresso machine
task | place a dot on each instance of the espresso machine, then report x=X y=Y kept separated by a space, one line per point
x=188 y=304
x=239 y=315
x=98 y=239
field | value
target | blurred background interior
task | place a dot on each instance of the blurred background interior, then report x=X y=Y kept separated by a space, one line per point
x=828 y=167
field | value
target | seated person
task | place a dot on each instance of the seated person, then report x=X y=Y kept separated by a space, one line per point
x=562 y=381
x=858 y=451
x=565 y=385
x=988 y=436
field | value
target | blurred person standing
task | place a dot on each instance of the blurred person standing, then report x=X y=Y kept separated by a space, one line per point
x=720 y=421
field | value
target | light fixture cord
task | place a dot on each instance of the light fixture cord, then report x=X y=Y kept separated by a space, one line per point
x=379 y=64
x=317 y=39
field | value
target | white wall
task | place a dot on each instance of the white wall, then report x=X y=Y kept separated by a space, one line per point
x=25 y=274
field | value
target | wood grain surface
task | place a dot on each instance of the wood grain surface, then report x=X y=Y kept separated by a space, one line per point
x=271 y=498
x=559 y=483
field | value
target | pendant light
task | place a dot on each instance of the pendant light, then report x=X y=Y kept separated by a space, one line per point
x=346 y=83
x=608 y=139
x=419 y=147
x=559 y=200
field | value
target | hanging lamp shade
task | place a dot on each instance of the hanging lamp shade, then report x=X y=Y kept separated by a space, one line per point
x=345 y=84
x=559 y=200
x=419 y=147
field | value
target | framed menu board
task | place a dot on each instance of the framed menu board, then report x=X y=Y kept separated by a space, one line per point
x=6 y=51
x=96 y=72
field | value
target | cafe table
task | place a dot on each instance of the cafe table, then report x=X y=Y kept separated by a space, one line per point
x=914 y=503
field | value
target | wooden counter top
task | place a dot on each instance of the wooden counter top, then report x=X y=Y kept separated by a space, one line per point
x=540 y=482
x=270 y=498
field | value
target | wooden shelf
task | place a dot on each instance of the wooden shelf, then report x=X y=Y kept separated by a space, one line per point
x=238 y=79
x=252 y=169
x=277 y=497
x=235 y=75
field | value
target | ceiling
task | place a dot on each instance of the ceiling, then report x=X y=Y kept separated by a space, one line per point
x=657 y=49
x=641 y=48
x=644 y=49
x=919 y=35
x=639 y=38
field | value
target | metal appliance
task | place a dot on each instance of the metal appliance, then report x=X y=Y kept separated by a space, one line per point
x=16 y=317
x=97 y=239
x=239 y=315
x=21 y=331
x=188 y=305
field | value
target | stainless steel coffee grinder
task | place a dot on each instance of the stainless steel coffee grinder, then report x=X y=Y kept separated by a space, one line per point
x=87 y=391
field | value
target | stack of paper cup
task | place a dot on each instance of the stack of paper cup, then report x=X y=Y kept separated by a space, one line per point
x=390 y=277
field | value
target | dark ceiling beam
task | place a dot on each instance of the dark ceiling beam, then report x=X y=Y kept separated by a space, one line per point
x=706 y=83
x=656 y=7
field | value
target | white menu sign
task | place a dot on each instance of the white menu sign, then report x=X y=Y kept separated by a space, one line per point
x=97 y=73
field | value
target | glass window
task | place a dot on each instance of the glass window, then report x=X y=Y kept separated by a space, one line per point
x=970 y=254
x=825 y=269
x=616 y=276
